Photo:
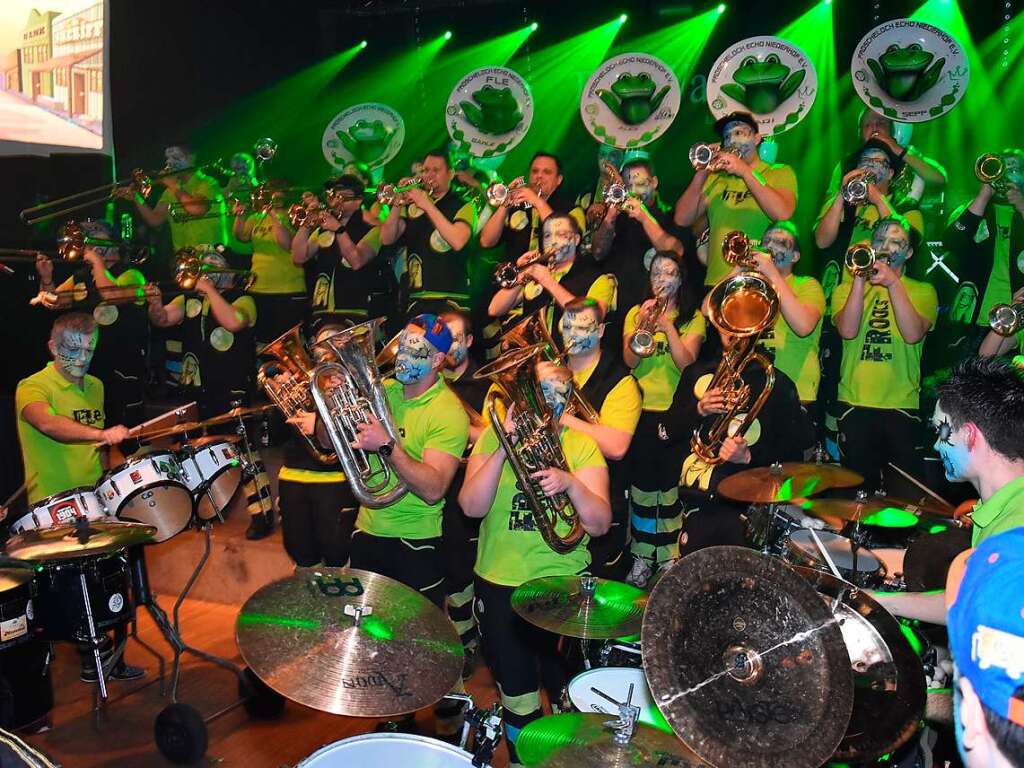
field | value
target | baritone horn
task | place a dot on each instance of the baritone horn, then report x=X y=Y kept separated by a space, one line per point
x=860 y=260
x=1006 y=319
x=533 y=444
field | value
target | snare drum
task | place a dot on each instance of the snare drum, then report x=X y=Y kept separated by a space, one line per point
x=801 y=550
x=149 y=489
x=60 y=603
x=615 y=682
x=212 y=472
x=375 y=750
x=61 y=509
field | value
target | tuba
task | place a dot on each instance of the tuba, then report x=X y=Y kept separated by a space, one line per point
x=1006 y=319
x=290 y=358
x=533 y=445
x=743 y=306
x=860 y=260
x=346 y=391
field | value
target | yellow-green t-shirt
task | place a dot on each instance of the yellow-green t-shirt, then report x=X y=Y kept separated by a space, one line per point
x=879 y=369
x=208 y=229
x=434 y=420
x=731 y=206
x=603 y=289
x=658 y=375
x=511 y=549
x=797 y=356
x=998 y=290
x=275 y=272
x=622 y=405
x=1002 y=511
x=51 y=466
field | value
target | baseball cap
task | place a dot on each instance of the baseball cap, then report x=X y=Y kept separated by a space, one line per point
x=986 y=624
x=736 y=117
x=435 y=330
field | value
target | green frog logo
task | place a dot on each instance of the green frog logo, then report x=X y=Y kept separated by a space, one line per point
x=904 y=73
x=762 y=86
x=632 y=98
x=496 y=110
x=366 y=141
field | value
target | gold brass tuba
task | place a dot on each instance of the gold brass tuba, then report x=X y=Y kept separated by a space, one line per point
x=1006 y=319
x=534 y=443
x=742 y=306
x=291 y=395
x=346 y=391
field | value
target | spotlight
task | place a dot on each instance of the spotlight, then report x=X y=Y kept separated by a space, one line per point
x=622 y=18
x=721 y=8
x=448 y=35
x=533 y=27
x=363 y=44
x=828 y=2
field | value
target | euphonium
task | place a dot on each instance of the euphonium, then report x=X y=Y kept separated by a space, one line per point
x=285 y=378
x=860 y=260
x=533 y=444
x=855 y=191
x=1006 y=319
x=742 y=306
x=737 y=249
x=990 y=169
x=642 y=343
x=389 y=194
x=347 y=391
x=189 y=267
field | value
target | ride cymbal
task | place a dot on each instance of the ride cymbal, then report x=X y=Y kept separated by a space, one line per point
x=84 y=539
x=581 y=606
x=746 y=661
x=349 y=642
x=786 y=482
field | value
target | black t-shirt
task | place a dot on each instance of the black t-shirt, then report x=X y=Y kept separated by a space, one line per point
x=434 y=269
x=336 y=286
x=123 y=329
x=522 y=230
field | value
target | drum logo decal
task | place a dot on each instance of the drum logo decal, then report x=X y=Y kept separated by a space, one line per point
x=378 y=680
x=336 y=587
x=65 y=512
x=136 y=476
x=116 y=602
x=12 y=628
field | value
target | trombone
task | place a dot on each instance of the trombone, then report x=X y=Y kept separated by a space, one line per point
x=189 y=267
x=139 y=182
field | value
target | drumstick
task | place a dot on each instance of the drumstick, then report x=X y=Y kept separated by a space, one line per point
x=10 y=499
x=922 y=486
x=825 y=554
x=131 y=433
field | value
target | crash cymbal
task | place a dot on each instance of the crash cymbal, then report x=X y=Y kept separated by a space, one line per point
x=305 y=638
x=84 y=539
x=746 y=661
x=786 y=482
x=198 y=443
x=238 y=413
x=581 y=606
x=882 y=511
x=577 y=740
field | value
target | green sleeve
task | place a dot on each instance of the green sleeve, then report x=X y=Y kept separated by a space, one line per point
x=30 y=391
x=449 y=428
x=839 y=297
x=247 y=307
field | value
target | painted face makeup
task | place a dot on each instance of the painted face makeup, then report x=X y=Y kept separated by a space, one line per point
x=177 y=158
x=580 y=332
x=640 y=184
x=781 y=246
x=457 y=352
x=556 y=395
x=892 y=242
x=558 y=233
x=665 y=279
x=74 y=352
x=739 y=138
x=412 y=363
x=876 y=162
x=950 y=446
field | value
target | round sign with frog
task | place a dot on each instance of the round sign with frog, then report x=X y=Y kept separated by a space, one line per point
x=909 y=71
x=368 y=133
x=630 y=100
x=489 y=111
x=768 y=77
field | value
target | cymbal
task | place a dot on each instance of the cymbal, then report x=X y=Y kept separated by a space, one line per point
x=882 y=511
x=746 y=662
x=786 y=482
x=213 y=421
x=304 y=638
x=563 y=605
x=86 y=539
x=197 y=443
x=889 y=684
x=577 y=740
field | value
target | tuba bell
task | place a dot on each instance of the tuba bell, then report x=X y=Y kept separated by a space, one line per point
x=533 y=444
x=346 y=391
x=1006 y=319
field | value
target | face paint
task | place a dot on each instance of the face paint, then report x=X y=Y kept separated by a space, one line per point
x=458 y=351
x=781 y=246
x=177 y=159
x=877 y=163
x=893 y=243
x=556 y=395
x=950 y=447
x=412 y=363
x=737 y=137
x=221 y=280
x=665 y=280
x=558 y=233
x=580 y=332
x=74 y=352
x=640 y=184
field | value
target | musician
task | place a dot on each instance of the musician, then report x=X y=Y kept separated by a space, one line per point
x=608 y=385
x=995 y=344
x=512 y=550
x=402 y=540
x=654 y=458
x=738 y=191
x=883 y=321
x=434 y=225
x=280 y=288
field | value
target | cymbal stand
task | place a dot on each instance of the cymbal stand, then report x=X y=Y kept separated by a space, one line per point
x=625 y=724
x=485 y=727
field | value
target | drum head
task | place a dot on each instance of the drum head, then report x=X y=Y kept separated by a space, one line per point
x=838 y=548
x=210 y=501
x=168 y=507
x=929 y=556
x=586 y=688
x=377 y=750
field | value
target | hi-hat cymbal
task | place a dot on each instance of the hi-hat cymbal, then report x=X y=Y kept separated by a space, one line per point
x=349 y=642
x=785 y=482
x=882 y=511
x=577 y=740
x=581 y=606
x=83 y=540
x=746 y=661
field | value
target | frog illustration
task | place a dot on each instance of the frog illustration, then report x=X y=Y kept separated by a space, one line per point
x=904 y=73
x=366 y=141
x=632 y=98
x=762 y=85
x=495 y=111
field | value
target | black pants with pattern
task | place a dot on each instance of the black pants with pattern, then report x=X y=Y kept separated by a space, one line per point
x=414 y=562
x=317 y=521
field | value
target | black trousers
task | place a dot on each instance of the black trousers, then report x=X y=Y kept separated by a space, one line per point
x=459 y=538
x=710 y=522
x=276 y=313
x=870 y=438
x=414 y=562
x=317 y=521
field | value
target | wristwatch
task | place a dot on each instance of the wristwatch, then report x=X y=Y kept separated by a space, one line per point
x=386 y=449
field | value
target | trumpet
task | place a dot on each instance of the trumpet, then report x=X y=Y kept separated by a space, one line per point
x=265 y=149
x=140 y=182
x=189 y=267
x=738 y=250
x=1006 y=319
x=703 y=156
x=301 y=216
x=990 y=169
x=860 y=260
x=509 y=274
x=855 y=191
x=642 y=343
x=499 y=194
x=389 y=194
x=609 y=177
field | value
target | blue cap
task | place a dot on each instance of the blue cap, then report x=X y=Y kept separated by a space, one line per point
x=986 y=624
x=435 y=330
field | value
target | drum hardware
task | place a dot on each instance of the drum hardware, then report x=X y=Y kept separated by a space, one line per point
x=584 y=607
x=481 y=728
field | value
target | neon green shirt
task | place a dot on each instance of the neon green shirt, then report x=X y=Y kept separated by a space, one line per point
x=208 y=229
x=998 y=290
x=879 y=369
x=1002 y=511
x=796 y=356
x=275 y=272
x=434 y=420
x=658 y=374
x=731 y=206
x=511 y=549
x=51 y=466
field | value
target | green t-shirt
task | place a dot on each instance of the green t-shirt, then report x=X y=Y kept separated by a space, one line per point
x=511 y=549
x=731 y=206
x=51 y=466
x=1002 y=511
x=434 y=420
x=208 y=229
x=658 y=374
x=879 y=369
x=998 y=290
x=275 y=272
x=796 y=356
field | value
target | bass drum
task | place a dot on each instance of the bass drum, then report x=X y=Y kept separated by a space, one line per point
x=60 y=604
x=26 y=690
x=376 y=750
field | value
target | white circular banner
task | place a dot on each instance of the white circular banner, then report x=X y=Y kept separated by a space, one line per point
x=909 y=71
x=370 y=133
x=630 y=100
x=489 y=111
x=766 y=76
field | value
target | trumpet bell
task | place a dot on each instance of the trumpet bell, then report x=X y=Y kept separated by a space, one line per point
x=736 y=249
x=989 y=168
x=1006 y=319
x=860 y=260
x=265 y=149
x=743 y=305
x=615 y=194
x=701 y=156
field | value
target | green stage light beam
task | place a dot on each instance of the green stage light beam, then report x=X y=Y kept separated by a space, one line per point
x=721 y=8
x=1000 y=53
x=679 y=45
